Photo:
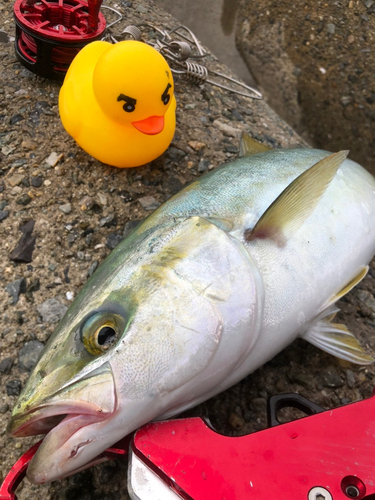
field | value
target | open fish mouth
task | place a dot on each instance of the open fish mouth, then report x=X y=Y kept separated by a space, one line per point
x=72 y=418
x=45 y=418
x=66 y=427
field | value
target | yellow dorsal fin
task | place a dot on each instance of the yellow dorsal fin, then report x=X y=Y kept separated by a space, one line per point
x=249 y=146
x=352 y=283
x=288 y=212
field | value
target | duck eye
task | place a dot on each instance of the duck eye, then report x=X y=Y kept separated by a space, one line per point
x=130 y=103
x=100 y=332
x=165 y=97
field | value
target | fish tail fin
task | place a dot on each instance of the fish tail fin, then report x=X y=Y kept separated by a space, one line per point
x=335 y=338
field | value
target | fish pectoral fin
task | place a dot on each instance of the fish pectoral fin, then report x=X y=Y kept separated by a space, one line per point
x=249 y=146
x=336 y=339
x=352 y=283
x=293 y=206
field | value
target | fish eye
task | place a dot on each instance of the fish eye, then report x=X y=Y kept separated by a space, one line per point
x=100 y=332
x=106 y=335
x=130 y=103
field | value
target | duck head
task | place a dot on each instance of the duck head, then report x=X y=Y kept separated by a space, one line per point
x=133 y=85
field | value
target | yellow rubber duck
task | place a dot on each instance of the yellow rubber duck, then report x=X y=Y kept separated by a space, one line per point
x=117 y=102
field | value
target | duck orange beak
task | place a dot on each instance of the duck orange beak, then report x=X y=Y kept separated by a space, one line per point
x=151 y=126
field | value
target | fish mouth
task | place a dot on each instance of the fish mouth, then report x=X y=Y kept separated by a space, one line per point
x=62 y=425
x=152 y=125
x=72 y=418
x=43 y=419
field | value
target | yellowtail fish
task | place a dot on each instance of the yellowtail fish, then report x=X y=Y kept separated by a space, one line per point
x=208 y=288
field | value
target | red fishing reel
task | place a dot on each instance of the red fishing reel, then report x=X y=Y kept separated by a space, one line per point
x=49 y=34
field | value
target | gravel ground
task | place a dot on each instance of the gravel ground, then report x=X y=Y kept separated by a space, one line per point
x=70 y=210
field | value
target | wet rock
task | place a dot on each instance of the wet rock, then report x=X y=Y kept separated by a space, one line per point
x=149 y=203
x=16 y=288
x=113 y=240
x=24 y=200
x=3 y=214
x=13 y=387
x=66 y=208
x=25 y=247
x=29 y=355
x=6 y=365
x=52 y=310
x=330 y=377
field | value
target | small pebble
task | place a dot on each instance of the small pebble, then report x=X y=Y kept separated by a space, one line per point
x=3 y=214
x=107 y=221
x=6 y=365
x=24 y=200
x=53 y=159
x=149 y=203
x=227 y=129
x=350 y=379
x=92 y=268
x=29 y=354
x=236 y=421
x=330 y=377
x=52 y=310
x=16 y=179
x=13 y=387
x=16 y=288
x=36 y=181
x=113 y=240
x=203 y=165
x=66 y=208
x=16 y=118
x=4 y=407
